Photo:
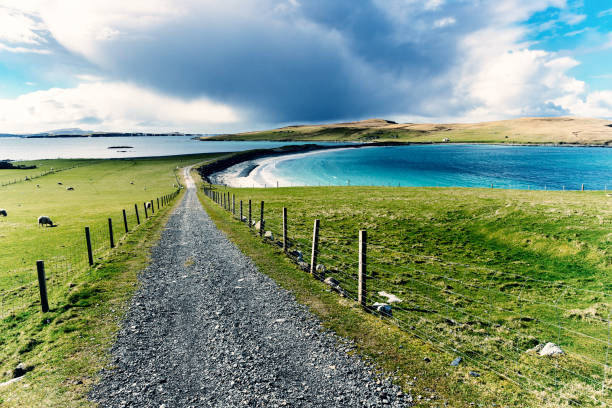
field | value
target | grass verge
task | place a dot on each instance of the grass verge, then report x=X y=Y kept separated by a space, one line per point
x=67 y=346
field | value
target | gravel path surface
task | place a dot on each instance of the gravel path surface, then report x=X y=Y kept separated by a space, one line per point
x=206 y=329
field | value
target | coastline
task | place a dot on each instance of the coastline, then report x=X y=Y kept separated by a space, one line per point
x=258 y=172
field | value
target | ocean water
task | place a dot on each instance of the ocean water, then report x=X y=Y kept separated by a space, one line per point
x=536 y=167
x=15 y=148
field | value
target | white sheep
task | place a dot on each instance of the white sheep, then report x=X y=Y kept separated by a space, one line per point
x=3 y=212
x=148 y=205
x=44 y=220
x=131 y=182
x=70 y=188
x=38 y=186
x=59 y=183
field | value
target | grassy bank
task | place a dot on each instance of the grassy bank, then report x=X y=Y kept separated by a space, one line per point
x=562 y=130
x=67 y=346
x=482 y=274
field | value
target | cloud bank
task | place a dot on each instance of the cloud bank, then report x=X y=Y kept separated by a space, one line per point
x=264 y=62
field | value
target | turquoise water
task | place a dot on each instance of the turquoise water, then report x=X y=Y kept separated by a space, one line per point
x=15 y=148
x=536 y=167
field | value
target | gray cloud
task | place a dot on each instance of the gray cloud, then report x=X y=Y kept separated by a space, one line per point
x=322 y=61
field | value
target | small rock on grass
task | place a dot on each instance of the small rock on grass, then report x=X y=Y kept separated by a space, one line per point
x=551 y=349
x=456 y=361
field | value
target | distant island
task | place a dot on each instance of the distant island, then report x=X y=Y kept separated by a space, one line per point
x=76 y=132
x=109 y=134
x=543 y=130
x=120 y=147
x=7 y=165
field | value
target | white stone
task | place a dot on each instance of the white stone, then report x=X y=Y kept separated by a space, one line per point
x=550 y=349
x=391 y=298
x=383 y=308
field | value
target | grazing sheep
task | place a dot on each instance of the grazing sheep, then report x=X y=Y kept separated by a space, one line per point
x=44 y=220
x=131 y=182
x=148 y=205
x=38 y=186
x=70 y=188
x=59 y=183
x=3 y=212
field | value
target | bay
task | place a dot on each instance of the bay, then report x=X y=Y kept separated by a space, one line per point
x=449 y=165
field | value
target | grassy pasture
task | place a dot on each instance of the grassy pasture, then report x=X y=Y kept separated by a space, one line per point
x=529 y=130
x=67 y=346
x=483 y=274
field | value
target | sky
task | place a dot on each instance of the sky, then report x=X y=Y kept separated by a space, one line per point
x=222 y=66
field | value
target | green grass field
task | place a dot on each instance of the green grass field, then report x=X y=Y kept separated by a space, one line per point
x=67 y=346
x=529 y=130
x=483 y=274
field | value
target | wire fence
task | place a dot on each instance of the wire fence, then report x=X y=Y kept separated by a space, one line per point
x=22 y=291
x=30 y=176
x=495 y=320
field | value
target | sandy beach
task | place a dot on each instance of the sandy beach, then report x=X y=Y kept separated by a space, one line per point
x=260 y=172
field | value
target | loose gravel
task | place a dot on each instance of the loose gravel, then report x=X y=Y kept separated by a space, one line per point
x=207 y=329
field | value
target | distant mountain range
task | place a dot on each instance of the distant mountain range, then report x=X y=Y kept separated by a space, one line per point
x=76 y=132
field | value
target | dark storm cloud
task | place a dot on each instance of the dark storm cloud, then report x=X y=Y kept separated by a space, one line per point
x=322 y=60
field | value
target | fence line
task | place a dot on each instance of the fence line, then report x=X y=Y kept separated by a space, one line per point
x=23 y=290
x=44 y=173
x=489 y=317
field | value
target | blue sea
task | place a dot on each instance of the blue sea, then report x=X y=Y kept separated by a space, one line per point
x=17 y=148
x=519 y=167
x=458 y=165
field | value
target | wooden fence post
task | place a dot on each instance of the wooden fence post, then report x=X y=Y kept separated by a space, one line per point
x=361 y=289
x=234 y=204
x=88 y=240
x=284 y=229
x=111 y=238
x=158 y=203
x=249 y=213
x=152 y=207
x=42 y=286
x=146 y=212
x=125 y=222
x=137 y=216
x=240 y=210
x=315 y=247
x=261 y=220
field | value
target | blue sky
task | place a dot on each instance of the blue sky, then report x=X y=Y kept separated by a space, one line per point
x=581 y=31
x=212 y=66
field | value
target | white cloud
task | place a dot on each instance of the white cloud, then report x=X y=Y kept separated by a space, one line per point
x=23 y=50
x=111 y=106
x=89 y=78
x=433 y=4
x=572 y=18
x=19 y=28
x=483 y=68
x=444 y=22
x=594 y=104
x=576 y=32
x=605 y=13
x=608 y=44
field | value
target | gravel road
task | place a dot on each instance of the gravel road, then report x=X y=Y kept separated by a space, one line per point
x=207 y=329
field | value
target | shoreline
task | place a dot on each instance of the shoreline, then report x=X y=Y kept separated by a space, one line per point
x=256 y=173
x=235 y=172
